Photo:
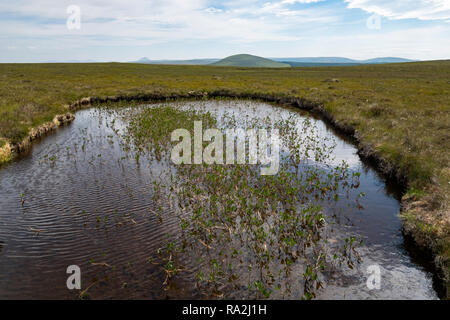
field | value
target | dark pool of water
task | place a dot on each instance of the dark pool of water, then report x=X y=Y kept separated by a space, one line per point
x=87 y=202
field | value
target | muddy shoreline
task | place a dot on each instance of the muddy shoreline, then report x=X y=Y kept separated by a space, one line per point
x=426 y=242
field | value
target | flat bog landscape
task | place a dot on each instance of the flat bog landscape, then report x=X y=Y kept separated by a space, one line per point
x=181 y=176
x=122 y=209
x=398 y=113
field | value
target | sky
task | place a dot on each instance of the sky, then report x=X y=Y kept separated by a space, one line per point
x=127 y=30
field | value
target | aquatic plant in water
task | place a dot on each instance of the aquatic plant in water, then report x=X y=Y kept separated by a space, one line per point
x=258 y=236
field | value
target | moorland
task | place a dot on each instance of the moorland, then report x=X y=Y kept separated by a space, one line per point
x=400 y=112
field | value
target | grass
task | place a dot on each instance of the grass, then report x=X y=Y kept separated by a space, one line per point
x=402 y=110
x=152 y=128
x=5 y=153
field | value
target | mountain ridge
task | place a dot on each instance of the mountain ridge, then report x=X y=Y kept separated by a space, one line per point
x=293 y=61
x=342 y=60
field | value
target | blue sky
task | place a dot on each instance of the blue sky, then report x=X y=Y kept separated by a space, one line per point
x=117 y=30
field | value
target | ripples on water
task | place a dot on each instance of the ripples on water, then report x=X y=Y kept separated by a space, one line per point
x=88 y=202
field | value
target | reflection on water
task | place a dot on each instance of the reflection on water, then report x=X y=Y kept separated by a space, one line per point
x=88 y=202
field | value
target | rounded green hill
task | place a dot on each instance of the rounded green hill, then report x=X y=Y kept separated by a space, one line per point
x=247 y=60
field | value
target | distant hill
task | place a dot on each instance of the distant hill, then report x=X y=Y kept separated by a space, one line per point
x=247 y=60
x=387 y=60
x=143 y=60
x=319 y=64
x=317 y=60
x=70 y=61
x=336 y=61
x=177 y=62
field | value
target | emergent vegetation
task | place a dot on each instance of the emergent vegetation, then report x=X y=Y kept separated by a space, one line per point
x=253 y=236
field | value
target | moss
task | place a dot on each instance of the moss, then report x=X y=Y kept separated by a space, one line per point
x=416 y=193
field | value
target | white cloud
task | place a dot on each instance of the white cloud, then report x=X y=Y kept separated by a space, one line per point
x=178 y=27
x=160 y=20
x=300 y=1
x=213 y=10
x=405 y=9
x=414 y=43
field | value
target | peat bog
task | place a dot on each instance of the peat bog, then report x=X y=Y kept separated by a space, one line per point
x=102 y=193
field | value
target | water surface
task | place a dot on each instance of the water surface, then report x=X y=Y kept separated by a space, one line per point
x=88 y=202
